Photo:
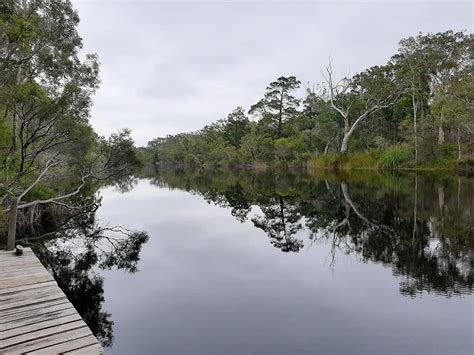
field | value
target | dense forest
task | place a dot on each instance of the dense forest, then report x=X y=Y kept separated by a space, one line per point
x=51 y=160
x=416 y=111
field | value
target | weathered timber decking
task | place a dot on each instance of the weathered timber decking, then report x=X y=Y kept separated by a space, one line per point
x=35 y=315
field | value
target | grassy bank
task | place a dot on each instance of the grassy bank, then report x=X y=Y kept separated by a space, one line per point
x=395 y=158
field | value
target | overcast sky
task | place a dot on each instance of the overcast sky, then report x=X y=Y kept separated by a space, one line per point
x=170 y=67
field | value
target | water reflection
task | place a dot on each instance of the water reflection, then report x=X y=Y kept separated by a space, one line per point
x=75 y=253
x=420 y=226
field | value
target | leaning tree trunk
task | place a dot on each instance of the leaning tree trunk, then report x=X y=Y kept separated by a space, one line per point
x=326 y=148
x=345 y=142
x=348 y=130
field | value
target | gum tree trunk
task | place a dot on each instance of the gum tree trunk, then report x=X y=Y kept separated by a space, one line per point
x=459 y=144
x=440 y=134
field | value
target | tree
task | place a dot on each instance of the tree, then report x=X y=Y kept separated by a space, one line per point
x=113 y=158
x=236 y=127
x=413 y=73
x=39 y=42
x=278 y=105
x=358 y=98
x=45 y=97
x=444 y=56
x=326 y=125
x=457 y=107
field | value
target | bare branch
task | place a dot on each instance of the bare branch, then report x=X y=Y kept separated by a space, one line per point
x=340 y=88
x=58 y=198
x=50 y=163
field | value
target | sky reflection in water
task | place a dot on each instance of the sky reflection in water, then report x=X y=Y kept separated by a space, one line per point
x=356 y=276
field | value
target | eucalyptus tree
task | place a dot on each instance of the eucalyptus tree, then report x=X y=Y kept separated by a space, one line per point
x=445 y=57
x=356 y=99
x=413 y=73
x=457 y=108
x=278 y=103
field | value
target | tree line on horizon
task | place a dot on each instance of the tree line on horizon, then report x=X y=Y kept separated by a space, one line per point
x=415 y=109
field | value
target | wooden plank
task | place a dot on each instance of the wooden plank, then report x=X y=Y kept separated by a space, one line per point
x=56 y=295
x=91 y=349
x=19 y=330
x=31 y=294
x=40 y=343
x=25 y=250
x=33 y=309
x=13 y=256
x=25 y=281
x=38 y=285
x=41 y=333
x=65 y=311
x=22 y=272
x=15 y=260
x=18 y=264
x=36 y=273
x=12 y=267
x=35 y=314
x=68 y=346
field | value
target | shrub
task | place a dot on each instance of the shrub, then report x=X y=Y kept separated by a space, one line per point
x=393 y=157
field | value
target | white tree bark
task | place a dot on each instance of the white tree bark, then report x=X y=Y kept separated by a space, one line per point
x=341 y=88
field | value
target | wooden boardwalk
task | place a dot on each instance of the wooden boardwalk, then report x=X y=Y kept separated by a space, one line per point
x=35 y=315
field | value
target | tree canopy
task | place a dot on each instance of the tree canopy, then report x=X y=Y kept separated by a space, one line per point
x=416 y=110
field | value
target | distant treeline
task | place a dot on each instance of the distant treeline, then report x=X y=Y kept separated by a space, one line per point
x=414 y=111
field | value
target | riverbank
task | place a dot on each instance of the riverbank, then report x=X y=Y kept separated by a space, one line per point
x=377 y=161
x=389 y=160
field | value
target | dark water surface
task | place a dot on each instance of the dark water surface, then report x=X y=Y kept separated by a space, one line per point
x=293 y=264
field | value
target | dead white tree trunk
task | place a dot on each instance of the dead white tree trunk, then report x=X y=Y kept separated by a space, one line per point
x=340 y=89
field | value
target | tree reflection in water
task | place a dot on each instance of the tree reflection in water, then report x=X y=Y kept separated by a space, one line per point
x=77 y=247
x=420 y=226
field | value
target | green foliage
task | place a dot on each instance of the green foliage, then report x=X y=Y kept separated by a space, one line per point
x=277 y=105
x=394 y=157
x=236 y=127
x=48 y=149
x=413 y=112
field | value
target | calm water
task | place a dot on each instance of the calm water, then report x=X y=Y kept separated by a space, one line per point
x=290 y=264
